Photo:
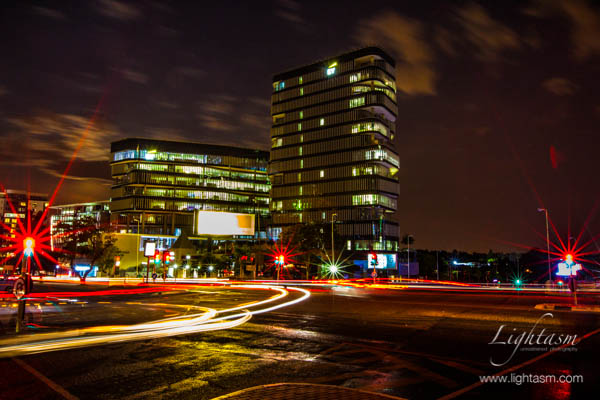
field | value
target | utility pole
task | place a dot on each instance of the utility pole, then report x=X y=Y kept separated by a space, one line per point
x=408 y=254
x=333 y=216
x=137 y=250
x=545 y=210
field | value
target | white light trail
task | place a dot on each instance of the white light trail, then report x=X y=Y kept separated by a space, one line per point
x=186 y=324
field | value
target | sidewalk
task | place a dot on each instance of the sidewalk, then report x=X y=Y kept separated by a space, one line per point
x=303 y=391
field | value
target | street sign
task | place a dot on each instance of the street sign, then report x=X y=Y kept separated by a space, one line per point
x=19 y=288
x=374 y=274
x=154 y=276
x=149 y=249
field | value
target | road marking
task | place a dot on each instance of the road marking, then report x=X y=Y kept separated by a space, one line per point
x=50 y=383
x=515 y=368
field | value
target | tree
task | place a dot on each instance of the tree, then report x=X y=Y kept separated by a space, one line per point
x=86 y=239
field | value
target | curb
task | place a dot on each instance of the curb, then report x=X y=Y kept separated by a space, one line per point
x=567 y=307
x=303 y=391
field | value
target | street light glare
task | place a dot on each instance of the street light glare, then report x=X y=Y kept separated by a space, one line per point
x=28 y=246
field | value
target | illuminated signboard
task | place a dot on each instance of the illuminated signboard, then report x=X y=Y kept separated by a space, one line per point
x=223 y=223
x=568 y=269
x=381 y=261
x=149 y=249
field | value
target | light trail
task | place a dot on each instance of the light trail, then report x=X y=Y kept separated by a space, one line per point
x=180 y=325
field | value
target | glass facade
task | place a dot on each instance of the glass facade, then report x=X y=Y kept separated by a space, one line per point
x=332 y=152
x=160 y=183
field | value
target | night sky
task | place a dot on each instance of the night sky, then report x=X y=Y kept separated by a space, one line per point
x=498 y=102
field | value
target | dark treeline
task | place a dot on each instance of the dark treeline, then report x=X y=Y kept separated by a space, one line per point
x=529 y=267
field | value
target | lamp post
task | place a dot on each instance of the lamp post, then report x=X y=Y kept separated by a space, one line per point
x=408 y=254
x=333 y=216
x=137 y=250
x=545 y=210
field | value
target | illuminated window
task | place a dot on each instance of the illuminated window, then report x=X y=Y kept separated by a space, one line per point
x=300 y=80
x=323 y=215
x=300 y=150
x=330 y=71
x=301 y=138
x=279 y=85
x=370 y=127
x=301 y=163
x=299 y=177
x=322 y=121
x=357 y=102
x=301 y=91
x=322 y=173
x=300 y=190
x=276 y=142
x=299 y=126
x=355 y=77
x=301 y=114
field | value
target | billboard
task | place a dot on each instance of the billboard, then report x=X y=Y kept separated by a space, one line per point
x=381 y=261
x=223 y=223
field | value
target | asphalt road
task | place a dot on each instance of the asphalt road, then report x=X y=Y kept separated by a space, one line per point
x=407 y=343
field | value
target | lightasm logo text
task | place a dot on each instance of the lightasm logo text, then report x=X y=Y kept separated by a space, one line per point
x=531 y=340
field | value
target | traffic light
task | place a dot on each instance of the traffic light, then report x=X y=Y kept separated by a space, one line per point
x=569 y=258
x=280 y=259
x=372 y=260
x=167 y=260
x=517 y=282
x=156 y=257
x=117 y=261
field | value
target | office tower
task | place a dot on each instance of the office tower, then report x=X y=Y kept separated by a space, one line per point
x=332 y=152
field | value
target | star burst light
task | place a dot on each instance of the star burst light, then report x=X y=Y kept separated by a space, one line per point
x=573 y=250
x=29 y=240
x=26 y=240
x=333 y=267
x=283 y=255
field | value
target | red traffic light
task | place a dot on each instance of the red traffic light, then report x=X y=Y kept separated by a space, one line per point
x=372 y=259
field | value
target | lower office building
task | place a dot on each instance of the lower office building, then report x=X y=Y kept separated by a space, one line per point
x=158 y=184
x=64 y=218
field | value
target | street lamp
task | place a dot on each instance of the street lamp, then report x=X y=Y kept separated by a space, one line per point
x=137 y=250
x=545 y=210
x=408 y=254
x=333 y=216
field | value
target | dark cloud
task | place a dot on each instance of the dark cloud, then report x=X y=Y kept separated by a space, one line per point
x=584 y=20
x=404 y=38
x=489 y=36
x=117 y=10
x=49 y=12
x=289 y=11
x=559 y=86
x=134 y=76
